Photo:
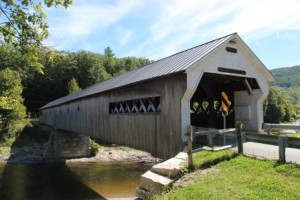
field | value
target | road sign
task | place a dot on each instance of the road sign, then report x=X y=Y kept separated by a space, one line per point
x=225 y=106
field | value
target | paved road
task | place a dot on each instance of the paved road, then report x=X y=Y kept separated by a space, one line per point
x=268 y=151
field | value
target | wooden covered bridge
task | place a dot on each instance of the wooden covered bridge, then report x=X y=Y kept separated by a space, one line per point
x=150 y=108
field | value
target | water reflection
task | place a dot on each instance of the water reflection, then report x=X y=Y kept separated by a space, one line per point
x=69 y=181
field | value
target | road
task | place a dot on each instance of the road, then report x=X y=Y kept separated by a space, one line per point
x=267 y=151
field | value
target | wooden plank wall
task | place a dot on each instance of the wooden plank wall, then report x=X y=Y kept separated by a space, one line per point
x=159 y=134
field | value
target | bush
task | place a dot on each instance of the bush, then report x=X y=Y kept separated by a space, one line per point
x=94 y=147
x=12 y=109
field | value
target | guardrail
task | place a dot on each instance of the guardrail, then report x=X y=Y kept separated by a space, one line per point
x=282 y=141
x=210 y=133
x=268 y=127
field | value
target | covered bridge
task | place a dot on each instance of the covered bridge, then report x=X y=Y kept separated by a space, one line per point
x=150 y=108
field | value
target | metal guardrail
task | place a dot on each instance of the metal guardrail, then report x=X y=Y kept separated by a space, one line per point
x=283 y=142
x=268 y=127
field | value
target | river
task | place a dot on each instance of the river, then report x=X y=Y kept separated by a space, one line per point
x=82 y=180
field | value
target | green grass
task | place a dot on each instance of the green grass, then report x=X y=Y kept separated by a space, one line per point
x=296 y=135
x=205 y=159
x=242 y=178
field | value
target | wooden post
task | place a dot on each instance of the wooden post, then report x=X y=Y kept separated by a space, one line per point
x=210 y=139
x=282 y=141
x=267 y=127
x=239 y=137
x=190 y=147
x=243 y=135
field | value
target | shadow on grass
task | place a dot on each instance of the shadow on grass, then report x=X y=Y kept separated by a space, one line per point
x=215 y=161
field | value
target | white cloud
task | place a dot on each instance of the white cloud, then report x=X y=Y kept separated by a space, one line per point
x=259 y=20
x=85 y=18
x=181 y=22
x=124 y=35
x=160 y=28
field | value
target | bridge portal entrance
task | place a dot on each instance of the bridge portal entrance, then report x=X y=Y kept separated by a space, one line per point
x=213 y=103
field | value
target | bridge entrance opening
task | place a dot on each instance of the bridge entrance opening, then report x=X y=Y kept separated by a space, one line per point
x=212 y=105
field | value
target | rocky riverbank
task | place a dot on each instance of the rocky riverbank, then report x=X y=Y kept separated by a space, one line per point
x=116 y=153
x=33 y=153
x=30 y=145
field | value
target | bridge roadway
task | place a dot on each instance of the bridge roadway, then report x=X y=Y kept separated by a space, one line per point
x=267 y=151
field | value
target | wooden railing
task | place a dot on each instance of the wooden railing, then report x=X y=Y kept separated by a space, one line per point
x=281 y=141
x=210 y=133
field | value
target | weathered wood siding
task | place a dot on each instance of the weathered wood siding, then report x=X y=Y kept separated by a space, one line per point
x=157 y=133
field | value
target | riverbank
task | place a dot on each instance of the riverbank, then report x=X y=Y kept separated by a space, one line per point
x=33 y=153
x=114 y=153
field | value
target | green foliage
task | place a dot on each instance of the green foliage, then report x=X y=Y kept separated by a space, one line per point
x=11 y=103
x=108 y=52
x=60 y=67
x=287 y=76
x=94 y=147
x=296 y=135
x=24 y=26
x=288 y=82
x=72 y=86
x=242 y=178
x=89 y=68
x=277 y=108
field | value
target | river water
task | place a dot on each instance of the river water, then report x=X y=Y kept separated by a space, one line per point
x=93 y=180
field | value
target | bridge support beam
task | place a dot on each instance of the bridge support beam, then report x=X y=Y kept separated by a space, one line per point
x=63 y=145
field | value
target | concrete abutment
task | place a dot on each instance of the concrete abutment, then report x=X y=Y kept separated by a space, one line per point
x=64 y=145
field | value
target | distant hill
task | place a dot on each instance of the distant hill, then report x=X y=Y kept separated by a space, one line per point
x=288 y=81
x=287 y=76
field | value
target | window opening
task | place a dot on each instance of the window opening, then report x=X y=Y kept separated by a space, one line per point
x=136 y=106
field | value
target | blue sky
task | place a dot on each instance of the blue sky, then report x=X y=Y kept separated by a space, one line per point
x=158 y=28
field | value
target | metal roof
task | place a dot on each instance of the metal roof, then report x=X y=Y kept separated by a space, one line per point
x=169 y=65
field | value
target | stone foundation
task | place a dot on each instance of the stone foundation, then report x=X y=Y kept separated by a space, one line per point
x=63 y=145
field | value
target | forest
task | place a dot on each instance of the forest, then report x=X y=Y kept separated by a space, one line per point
x=62 y=73
x=283 y=102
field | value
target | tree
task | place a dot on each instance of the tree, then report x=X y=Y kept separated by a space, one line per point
x=277 y=108
x=108 y=52
x=11 y=101
x=89 y=68
x=72 y=86
x=23 y=25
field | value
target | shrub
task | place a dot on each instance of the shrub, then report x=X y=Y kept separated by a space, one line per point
x=94 y=147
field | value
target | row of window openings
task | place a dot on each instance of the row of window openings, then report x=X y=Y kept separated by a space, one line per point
x=60 y=111
x=145 y=105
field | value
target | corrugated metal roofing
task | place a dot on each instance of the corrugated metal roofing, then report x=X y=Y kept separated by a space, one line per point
x=172 y=64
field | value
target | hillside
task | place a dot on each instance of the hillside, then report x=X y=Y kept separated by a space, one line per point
x=287 y=76
x=288 y=81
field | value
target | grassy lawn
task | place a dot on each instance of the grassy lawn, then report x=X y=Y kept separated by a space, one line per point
x=240 y=178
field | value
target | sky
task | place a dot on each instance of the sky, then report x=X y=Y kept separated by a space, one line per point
x=158 y=28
